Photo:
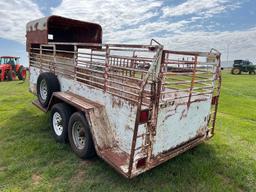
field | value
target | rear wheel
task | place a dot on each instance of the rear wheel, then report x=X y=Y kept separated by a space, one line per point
x=236 y=71
x=60 y=114
x=11 y=75
x=22 y=73
x=47 y=83
x=80 y=137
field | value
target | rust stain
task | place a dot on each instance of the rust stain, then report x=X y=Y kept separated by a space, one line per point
x=116 y=102
x=131 y=80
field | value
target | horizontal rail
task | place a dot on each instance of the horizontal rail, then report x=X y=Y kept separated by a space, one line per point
x=186 y=96
x=90 y=70
x=90 y=76
x=191 y=53
x=184 y=90
x=97 y=45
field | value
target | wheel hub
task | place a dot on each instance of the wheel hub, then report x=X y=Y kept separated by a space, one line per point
x=57 y=123
x=43 y=90
x=78 y=133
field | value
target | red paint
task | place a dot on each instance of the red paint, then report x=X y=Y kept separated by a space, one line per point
x=7 y=67
x=144 y=115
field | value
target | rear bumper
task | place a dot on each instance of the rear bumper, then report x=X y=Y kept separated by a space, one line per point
x=163 y=157
x=154 y=161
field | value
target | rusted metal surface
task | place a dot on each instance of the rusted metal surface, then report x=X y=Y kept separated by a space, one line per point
x=76 y=100
x=60 y=29
x=167 y=155
x=144 y=104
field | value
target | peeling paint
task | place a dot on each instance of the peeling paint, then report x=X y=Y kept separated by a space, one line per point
x=147 y=104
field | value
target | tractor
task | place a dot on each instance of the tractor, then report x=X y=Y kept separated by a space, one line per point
x=240 y=66
x=10 y=69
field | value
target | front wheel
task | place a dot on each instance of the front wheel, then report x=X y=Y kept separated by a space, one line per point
x=236 y=71
x=47 y=84
x=252 y=72
x=80 y=137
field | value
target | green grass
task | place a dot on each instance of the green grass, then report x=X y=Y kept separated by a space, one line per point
x=30 y=159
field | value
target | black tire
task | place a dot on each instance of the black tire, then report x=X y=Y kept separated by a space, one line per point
x=60 y=131
x=20 y=76
x=236 y=71
x=10 y=75
x=252 y=72
x=85 y=148
x=50 y=84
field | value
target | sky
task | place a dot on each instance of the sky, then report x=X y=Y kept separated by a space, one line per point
x=191 y=25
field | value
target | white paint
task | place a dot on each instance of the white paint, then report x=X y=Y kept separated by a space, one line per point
x=175 y=127
x=121 y=118
x=41 y=24
x=171 y=130
x=33 y=75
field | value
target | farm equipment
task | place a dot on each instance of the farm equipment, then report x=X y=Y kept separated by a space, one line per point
x=135 y=106
x=10 y=69
x=240 y=66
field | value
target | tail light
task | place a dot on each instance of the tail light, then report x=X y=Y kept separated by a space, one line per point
x=144 y=116
x=141 y=163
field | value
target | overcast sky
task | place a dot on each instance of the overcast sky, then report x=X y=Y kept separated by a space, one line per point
x=197 y=25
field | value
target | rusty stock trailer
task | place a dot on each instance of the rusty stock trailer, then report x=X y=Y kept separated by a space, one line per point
x=144 y=104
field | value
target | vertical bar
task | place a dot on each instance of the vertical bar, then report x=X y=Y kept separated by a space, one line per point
x=91 y=55
x=29 y=58
x=54 y=58
x=40 y=58
x=192 y=82
x=132 y=73
x=90 y=65
x=75 y=61
x=126 y=64
x=106 y=67
x=218 y=74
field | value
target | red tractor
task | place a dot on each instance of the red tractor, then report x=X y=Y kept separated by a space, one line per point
x=10 y=69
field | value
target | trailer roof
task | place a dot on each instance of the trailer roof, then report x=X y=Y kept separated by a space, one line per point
x=60 y=29
x=9 y=57
x=43 y=23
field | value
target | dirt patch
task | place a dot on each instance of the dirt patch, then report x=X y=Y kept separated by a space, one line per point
x=79 y=176
x=2 y=168
x=36 y=179
x=84 y=163
x=77 y=179
x=227 y=181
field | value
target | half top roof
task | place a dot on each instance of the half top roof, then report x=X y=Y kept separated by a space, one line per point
x=61 y=29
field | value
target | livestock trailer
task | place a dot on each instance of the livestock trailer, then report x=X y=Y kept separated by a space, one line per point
x=135 y=106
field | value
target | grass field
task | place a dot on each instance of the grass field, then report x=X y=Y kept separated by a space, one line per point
x=30 y=159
